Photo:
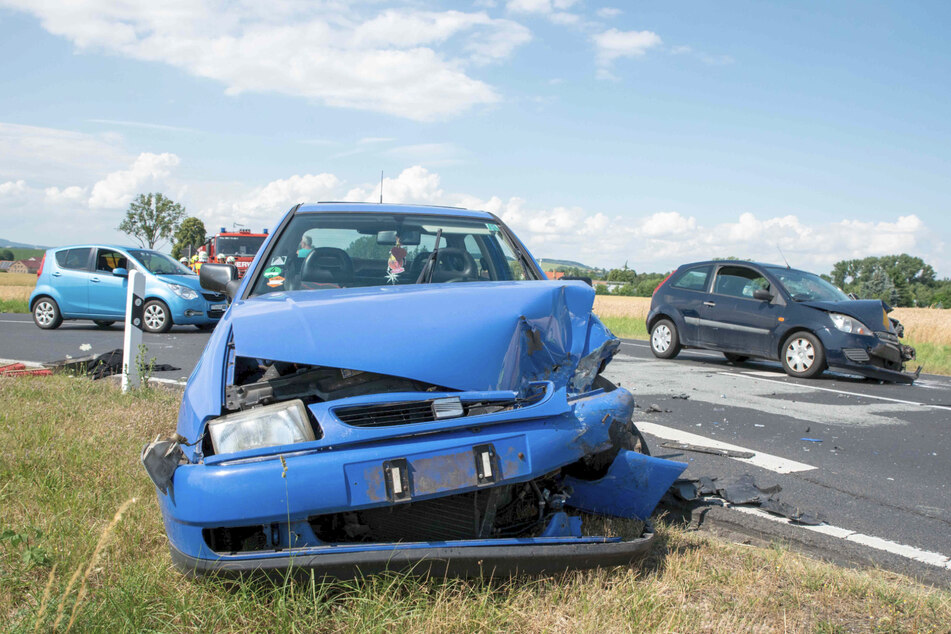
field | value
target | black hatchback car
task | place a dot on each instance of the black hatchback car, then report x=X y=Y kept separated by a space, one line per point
x=747 y=309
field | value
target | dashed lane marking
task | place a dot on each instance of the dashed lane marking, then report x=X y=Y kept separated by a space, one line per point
x=759 y=459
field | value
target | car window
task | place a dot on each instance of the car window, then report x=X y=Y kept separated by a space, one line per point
x=693 y=279
x=73 y=258
x=331 y=250
x=739 y=281
x=107 y=260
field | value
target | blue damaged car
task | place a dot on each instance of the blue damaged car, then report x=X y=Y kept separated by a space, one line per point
x=747 y=309
x=399 y=387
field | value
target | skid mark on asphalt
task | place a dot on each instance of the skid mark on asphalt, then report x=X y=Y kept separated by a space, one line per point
x=759 y=459
x=910 y=552
x=766 y=397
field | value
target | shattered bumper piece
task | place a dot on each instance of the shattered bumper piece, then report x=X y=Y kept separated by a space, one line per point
x=475 y=559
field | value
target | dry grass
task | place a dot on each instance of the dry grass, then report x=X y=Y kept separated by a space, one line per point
x=926 y=325
x=73 y=459
x=18 y=279
x=632 y=307
x=15 y=292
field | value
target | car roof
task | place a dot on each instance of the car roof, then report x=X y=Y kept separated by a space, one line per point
x=740 y=263
x=431 y=210
x=102 y=246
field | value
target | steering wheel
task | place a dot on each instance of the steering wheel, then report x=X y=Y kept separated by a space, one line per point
x=454 y=265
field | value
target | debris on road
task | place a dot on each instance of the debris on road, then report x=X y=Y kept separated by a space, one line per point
x=98 y=366
x=19 y=369
x=681 y=396
x=811 y=439
x=742 y=491
x=729 y=453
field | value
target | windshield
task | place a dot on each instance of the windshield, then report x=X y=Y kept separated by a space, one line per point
x=347 y=250
x=238 y=246
x=159 y=263
x=808 y=287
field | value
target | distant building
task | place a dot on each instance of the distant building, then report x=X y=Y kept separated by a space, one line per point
x=5 y=265
x=25 y=266
x=555 y=275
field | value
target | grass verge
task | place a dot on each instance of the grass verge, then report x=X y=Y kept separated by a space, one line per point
x=72 y=462
x=14 y=305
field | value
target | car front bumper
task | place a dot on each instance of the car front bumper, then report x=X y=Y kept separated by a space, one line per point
x=868 y=356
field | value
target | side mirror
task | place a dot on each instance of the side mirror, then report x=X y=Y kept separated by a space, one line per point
x=220 y=278
x=762 y=294
x=120 y=272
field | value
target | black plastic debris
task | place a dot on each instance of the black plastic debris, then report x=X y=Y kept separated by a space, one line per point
x=742 y=491
x=98 y=366
x=681 y=396
x=716 y=451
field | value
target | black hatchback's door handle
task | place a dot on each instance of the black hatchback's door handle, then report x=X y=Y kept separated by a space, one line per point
x=709 y=304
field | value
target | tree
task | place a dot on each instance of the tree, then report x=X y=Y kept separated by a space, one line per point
x=188 y=237
x=7 y=254
x=152 y=218
x=880 y=286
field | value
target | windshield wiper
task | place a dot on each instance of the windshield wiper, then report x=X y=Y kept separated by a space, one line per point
x=430 y=266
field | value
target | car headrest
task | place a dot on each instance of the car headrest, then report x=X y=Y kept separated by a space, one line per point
x=327 y=265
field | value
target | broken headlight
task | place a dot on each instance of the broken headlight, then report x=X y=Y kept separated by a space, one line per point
x=849 y=324
x=269 y=426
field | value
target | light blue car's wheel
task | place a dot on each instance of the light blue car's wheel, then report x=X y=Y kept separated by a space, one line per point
x=46 y=313
x=156 y=316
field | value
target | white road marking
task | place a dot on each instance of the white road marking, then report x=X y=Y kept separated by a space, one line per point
x=759 y=459
x=751 y=375
x=886 y=545
x=691 y=351
x=16 y=321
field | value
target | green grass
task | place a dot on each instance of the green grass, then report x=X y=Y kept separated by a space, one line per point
x=936 y=358
x=14 y=306
x=626 y=327
x=70 y=460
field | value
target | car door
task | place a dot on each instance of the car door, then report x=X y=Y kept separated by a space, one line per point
x=107 y=292
x=71 y=280
x=732 y=319
x=685 y=294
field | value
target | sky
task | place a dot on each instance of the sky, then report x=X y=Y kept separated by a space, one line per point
x=646 y=133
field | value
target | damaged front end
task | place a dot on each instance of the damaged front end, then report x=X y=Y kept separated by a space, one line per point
x=444 y=429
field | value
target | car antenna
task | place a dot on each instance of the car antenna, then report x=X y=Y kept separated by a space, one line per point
x=784 y=256
x=381 y=187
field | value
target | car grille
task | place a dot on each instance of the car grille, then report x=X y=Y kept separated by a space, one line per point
x=213 y=297
x=410 y=412
x=887 y=336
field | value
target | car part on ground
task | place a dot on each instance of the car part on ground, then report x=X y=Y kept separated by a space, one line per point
x=751 y=310
x=99 y=366
x=346 y=419
x=20 y=369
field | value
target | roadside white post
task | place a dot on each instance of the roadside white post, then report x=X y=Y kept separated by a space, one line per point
x=133 y=330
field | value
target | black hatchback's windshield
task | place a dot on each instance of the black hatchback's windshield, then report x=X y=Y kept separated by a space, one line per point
x=345 y=250
x=159 y=263
x=807 y=287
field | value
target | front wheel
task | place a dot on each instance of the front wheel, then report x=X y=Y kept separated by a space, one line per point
x=46 y=313
x=665 y=342
x=803 y=355
x=156 y=316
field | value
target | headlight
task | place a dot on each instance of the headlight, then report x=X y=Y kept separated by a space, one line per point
x=849 y=324
x=269 y=426
x=183 y=291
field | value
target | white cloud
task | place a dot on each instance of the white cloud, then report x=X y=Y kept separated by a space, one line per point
x=406 y=62
x=614 y=44
x=263 y=205
x=608 y=13
x=50 y=155
x=119 y=188
x=539 y=6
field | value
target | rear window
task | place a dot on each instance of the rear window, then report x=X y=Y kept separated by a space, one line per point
x=73 y=258
x=694 y=279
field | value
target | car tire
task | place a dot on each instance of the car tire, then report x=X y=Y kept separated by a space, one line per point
x=803 y=355
x=156 y=317
x=46 y=313
x=665 y=340
x=735 y=358
x=102 y=323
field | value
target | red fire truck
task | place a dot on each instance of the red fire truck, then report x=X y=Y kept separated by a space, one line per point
x=240 y=244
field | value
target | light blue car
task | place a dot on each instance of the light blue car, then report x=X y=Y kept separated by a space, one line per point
x=91 y=282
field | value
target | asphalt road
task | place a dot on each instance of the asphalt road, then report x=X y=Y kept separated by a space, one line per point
x=877 y=465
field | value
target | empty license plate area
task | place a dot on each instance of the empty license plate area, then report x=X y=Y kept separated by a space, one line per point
x=404 y=478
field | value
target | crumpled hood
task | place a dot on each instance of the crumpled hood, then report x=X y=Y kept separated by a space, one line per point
x=871 y=312
x=471 y=336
